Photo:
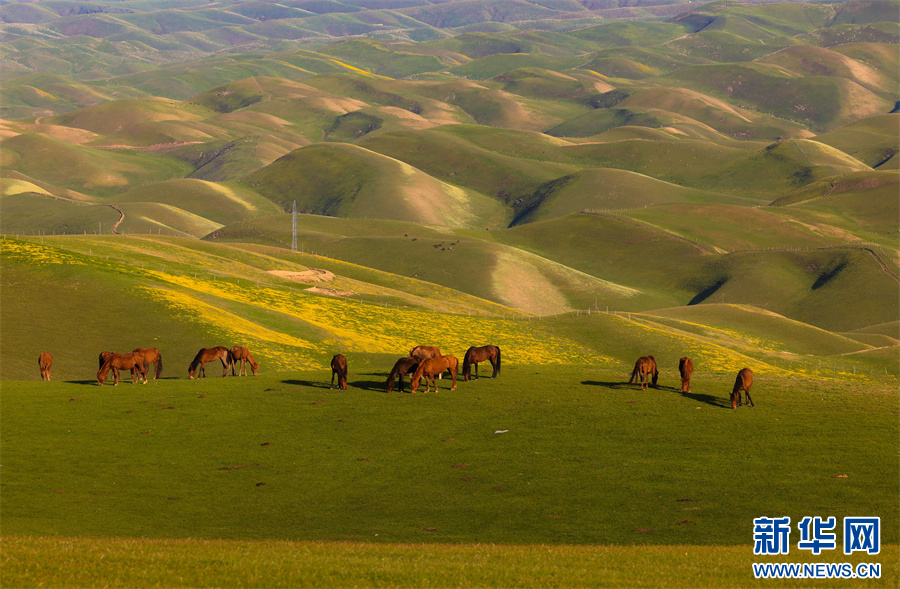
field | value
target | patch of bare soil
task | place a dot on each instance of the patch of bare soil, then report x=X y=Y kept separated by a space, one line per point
x=312 y=275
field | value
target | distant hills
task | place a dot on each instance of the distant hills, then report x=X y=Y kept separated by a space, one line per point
x=646 y=154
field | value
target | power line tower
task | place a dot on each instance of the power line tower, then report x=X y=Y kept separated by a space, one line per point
x=294 y=228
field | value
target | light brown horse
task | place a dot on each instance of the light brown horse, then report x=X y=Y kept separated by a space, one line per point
x=208 y=355
x=426 y=352
x=405 y=365
x=743 y=382
x=644 y=370
x=151 y=356
x=242 y=354
x=116 y=362
x=339 y=369
x=475 y=355
x=686 y=368
x=45 y=361
x=431 y=368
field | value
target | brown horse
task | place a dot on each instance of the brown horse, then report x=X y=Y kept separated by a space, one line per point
x=339 y=369
x=116 y=362
x=406 y=365
x=644 y=370
x=431 y=368
x=208 y=355
x=426 y=352
x=475 y=355
x=743 y=382
x=686 y=368
x=243 y=354
x=151 y=356
x=45 y=361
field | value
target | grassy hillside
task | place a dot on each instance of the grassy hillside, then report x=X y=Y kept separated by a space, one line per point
x=341 y=179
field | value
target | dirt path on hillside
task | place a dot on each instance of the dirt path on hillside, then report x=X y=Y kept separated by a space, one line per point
x=115 y=228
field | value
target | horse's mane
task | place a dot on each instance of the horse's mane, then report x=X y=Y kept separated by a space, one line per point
x=198 y=357
x=402 y=366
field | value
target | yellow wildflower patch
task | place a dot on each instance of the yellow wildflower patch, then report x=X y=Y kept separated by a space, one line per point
x=35 y=253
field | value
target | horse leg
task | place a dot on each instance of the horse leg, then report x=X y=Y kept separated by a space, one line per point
x=453 y=374
x=749 y=400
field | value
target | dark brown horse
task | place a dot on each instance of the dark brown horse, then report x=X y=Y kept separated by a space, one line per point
x=45 y=361
x=339 y=369
x=644 y=370
x=116 y=362
x=208 y=355
x=242 y=354
x=743 y=382
x=151 y=356
x=686 y=368
x=475 y=355
x=431 y=368
x=406 y=365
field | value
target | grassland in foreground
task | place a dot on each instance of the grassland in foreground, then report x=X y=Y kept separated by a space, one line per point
x=568 y=461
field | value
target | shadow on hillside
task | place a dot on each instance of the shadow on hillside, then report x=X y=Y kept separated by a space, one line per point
x=611 y=385
x=371 y=385
x=708 y=399
x=700 y=398
x=309 y=383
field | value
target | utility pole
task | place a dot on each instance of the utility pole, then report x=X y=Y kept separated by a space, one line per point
x=294 y=228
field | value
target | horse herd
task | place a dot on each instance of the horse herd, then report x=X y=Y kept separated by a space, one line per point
x=426 y=362
x=422 y=362
x=645 y=372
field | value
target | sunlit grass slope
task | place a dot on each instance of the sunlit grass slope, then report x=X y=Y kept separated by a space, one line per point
x=342 y=179
x=291 y=564
x=100 y=173
x=219 y=203
x=229 y=294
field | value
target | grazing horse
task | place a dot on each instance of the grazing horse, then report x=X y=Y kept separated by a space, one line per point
x=426 y=352
x=339 y=368
x=243 y=354
x=45 y=361
x=208 y=355
x=644 y=369
x=431 y=368
x=475 y=355
x=116 y=362
x=406 y=365
x=686 y=368
x=743 y=382
x=151 y=356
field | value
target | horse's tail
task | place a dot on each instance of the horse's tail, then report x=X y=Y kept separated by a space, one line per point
x=467 y=364
x=497 y=365
x=634 y=373
x=158 y=365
